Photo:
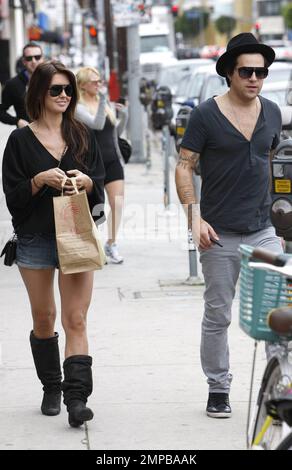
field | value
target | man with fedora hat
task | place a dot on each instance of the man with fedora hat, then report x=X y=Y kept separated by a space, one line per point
x=233 y=136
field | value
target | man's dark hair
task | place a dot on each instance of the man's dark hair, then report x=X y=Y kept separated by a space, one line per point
x=232 y=64
x=230 y=69
x=31 y=44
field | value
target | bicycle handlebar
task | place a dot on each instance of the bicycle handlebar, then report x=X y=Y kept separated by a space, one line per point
x=269 y=257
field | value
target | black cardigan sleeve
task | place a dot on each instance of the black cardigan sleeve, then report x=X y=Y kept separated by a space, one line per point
x=16 y=177
x=7 y=101
x=96 y=171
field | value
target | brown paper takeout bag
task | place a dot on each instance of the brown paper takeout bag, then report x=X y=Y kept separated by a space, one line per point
x=79 y=246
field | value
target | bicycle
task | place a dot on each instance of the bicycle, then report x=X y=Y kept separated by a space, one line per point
x=266 y=314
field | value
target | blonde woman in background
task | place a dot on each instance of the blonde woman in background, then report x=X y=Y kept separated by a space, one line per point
x=94 y=110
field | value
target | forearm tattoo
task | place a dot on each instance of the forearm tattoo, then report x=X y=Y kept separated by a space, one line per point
x=188 y=159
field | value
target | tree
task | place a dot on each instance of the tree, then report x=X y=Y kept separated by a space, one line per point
x=191 y=22
x=287 y=14
x=225 y=25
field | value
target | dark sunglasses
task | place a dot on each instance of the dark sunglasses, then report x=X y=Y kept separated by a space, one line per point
x=28 y=58
x=246 y=72
x=96 y=82
x=56 y=90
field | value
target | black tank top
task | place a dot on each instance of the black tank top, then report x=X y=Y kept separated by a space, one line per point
x=106 y=142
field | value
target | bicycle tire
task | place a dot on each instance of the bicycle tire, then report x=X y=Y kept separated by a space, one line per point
x=286 y=444
x=270 y=378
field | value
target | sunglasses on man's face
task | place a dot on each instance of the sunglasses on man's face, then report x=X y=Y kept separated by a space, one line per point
x=56 y=90
x=28 y=58
x=246 y=72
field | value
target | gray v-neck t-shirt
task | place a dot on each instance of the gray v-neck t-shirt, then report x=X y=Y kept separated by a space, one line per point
x=235 y=195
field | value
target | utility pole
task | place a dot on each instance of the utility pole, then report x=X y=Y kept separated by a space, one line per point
x=16 y=34
x=135 y=115
x=109 y=33
x=101 y=33
x=66 y=28
x=180 y=7
x=202 y=26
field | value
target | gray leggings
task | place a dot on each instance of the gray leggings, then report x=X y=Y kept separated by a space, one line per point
x=221 y=268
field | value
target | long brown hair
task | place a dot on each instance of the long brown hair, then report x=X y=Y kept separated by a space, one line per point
x=74 y=132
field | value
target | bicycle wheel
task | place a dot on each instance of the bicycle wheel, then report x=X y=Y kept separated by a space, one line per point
x=266 y=431
x=286 y=444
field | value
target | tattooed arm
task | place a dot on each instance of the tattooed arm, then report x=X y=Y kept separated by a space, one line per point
x=184 y=176
x=186 y=193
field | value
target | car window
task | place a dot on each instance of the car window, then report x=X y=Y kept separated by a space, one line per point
x=280 y=75
x=168 y=77
x=196 y=83
x=278 y=96
x=157 y=43
x=214 y=85
x=183 y=86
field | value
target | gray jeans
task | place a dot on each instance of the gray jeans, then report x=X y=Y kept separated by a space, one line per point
x=221 y=268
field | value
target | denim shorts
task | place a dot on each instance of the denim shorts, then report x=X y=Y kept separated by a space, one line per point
x=37 y=251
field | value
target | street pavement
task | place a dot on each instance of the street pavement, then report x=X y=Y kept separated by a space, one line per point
x=144 y=334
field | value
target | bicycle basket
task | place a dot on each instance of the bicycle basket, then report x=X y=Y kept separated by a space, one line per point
x=260 y=292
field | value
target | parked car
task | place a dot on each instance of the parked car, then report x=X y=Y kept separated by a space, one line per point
x=276 y=91
x=280 y=93
x=202 y=84
x=172 y=73
x=279 y=72
x=212 y=51
x=185 y=52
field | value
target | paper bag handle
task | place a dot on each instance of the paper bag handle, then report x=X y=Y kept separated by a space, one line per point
x=73 y=181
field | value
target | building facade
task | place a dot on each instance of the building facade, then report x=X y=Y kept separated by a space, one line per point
x=270 y=20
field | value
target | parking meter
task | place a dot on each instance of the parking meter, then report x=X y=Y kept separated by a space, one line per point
x=281 y=209
x=146 y=91
x=181 y=123
x=161 y=107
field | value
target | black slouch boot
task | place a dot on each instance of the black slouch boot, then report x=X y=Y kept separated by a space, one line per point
x=77 y=386
x=47 y=363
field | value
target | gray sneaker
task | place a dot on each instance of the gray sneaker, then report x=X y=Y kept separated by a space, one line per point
x=112 y=253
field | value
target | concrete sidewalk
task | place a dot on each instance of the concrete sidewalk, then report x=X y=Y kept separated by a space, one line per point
x=149 y=390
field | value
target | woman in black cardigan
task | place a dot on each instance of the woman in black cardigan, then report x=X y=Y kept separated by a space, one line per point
x=36 y=159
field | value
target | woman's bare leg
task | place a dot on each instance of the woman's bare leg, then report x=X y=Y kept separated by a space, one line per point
x=76 y=292
x=39 y=284
x=115 y=194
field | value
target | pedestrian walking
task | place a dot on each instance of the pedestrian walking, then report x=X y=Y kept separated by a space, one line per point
x=36 y=160
x=233 y=136
x=14 y=90
x=95 y=111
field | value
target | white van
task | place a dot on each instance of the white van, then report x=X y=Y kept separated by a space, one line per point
x=157 y=44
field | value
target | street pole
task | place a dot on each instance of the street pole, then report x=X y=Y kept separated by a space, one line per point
x=193 y=279
x=135 y=111
x=16 y=35
x=166 y=149
x=101 y=33
x=83 y=37
x=66 y=29
x=147 y=115
x=202 y=32
x=109 y=33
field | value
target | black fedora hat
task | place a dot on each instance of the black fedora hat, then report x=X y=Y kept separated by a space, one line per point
x=243 y=43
